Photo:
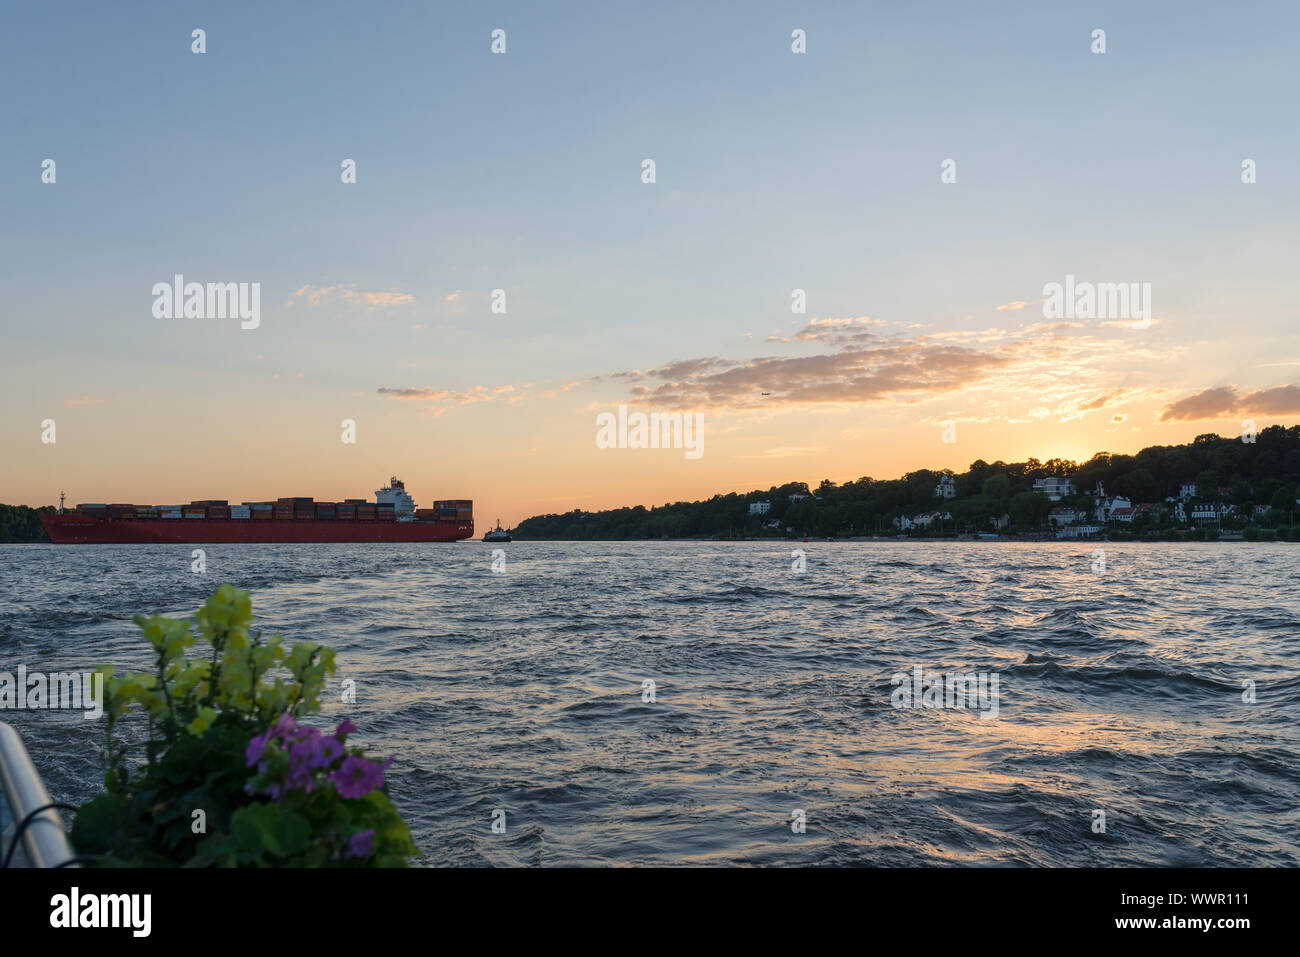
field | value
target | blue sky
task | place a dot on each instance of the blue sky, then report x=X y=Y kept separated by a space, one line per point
x=475 y=172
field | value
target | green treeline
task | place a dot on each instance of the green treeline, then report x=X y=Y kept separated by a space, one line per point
x=997 y=495
x=18 y=523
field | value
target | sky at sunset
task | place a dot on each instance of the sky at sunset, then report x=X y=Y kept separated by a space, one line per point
x=774 y=171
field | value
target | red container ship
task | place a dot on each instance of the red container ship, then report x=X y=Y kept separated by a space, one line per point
x=392 y=517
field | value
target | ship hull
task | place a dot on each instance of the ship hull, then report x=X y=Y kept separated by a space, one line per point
x=77 y=529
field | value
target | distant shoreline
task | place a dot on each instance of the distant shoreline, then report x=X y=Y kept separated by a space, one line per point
x=1001 y=539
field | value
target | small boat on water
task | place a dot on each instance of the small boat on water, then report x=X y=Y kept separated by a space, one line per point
x=497 y=534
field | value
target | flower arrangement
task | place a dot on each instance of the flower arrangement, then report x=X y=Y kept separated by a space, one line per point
x=230 y=777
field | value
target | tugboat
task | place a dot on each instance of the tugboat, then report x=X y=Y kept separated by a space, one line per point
x=497 y=534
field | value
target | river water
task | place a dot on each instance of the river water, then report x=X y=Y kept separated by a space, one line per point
x=1121 y=693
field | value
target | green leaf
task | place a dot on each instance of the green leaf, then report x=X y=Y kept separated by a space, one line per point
x=278 y=831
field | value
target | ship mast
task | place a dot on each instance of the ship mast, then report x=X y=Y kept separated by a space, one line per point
x=61 y=498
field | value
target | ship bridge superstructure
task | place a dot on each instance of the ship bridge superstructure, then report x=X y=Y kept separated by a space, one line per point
x=394 y=493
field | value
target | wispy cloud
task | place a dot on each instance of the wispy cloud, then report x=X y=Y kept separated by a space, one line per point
x=479 y=393
x=424 y=395
x=324 y=295
x=1226 y=400
x=1070 y=375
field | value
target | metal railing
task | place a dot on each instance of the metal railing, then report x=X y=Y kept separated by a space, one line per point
x=42 y=842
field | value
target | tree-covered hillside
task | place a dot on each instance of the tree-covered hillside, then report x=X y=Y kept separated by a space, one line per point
x=18 y=523
x=1227 y=470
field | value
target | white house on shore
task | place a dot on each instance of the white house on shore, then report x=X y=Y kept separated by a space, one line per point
x=924 y=520
x=947 y=487
x=759 y=508
x=1105 y=508
x=1079 y=531
x=1054 y=487
x=1065 y=515
x=1212 y=511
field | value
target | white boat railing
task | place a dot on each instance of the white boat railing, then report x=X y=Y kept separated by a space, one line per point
x=39 y=834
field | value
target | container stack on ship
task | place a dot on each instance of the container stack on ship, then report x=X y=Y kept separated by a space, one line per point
x=392 y=517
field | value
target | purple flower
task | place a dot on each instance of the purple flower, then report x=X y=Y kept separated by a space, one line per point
x=301 y=756
x=306 y=733
x=327 y=752
x=356 y=777
x=361 y=844
x=253 y=753
x=284 y=726
x=345 y=728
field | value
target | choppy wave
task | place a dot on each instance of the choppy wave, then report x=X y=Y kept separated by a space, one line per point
x=1124 y=693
